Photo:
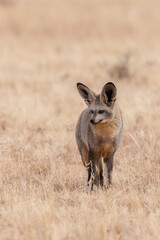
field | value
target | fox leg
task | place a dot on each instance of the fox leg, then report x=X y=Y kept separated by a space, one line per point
x=101 y=173
x=95 y=168
x=109 y=164
x=89 y=173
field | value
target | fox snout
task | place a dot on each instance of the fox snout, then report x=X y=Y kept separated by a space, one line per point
x=98 y=116
x=95 y=122
x=95 y=119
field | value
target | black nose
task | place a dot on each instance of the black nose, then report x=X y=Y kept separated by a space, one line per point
x=91 y=121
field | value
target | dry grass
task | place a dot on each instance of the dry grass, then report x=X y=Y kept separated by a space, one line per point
x=45 y=48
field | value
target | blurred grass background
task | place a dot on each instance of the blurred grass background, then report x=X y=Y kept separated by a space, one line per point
x=46 y=47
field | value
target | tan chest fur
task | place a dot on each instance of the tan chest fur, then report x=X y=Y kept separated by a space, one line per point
x=106 y=130
x=105 y=136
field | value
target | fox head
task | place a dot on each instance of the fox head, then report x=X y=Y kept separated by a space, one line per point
x=101 y=107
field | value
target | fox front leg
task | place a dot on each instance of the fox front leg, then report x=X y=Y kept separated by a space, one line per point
x=109 y=164
x=89 y=173
x=101 y=178
x=95 y=173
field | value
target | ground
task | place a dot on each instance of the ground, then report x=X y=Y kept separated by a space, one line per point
x=46 y=47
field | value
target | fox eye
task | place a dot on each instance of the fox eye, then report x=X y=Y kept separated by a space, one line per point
x=101 y=111
x=91 y=111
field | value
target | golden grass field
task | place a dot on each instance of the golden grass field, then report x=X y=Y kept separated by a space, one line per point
x=46 y=47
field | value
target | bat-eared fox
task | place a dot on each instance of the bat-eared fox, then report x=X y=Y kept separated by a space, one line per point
x=98 y=132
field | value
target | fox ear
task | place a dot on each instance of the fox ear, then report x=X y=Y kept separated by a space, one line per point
x=88 y=96
x=109 y=93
